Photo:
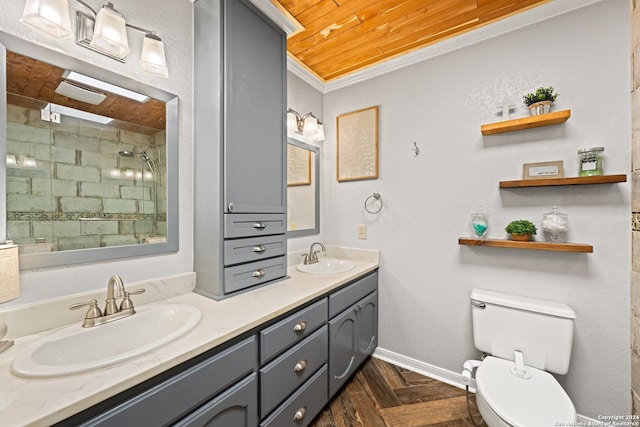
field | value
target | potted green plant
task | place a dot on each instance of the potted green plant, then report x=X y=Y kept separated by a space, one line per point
x=539 y=102
x=521 y=229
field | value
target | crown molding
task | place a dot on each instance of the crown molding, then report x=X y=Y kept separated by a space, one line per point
x=512 y=23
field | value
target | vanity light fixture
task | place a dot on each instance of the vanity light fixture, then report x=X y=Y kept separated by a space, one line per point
x=78 y=114
x=48 y=16
x=104 y=31
x=305 y=125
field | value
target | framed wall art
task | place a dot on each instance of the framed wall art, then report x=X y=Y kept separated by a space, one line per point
x=357 y=145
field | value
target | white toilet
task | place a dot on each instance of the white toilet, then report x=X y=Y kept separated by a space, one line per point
x=524 y=338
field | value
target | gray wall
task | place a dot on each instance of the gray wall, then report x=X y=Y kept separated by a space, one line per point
x=426 y=277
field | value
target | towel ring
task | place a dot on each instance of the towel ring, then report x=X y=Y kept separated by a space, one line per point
x=373 y=196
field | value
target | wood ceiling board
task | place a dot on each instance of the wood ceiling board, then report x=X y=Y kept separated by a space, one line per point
x=389 y=39
x=333 y=43
x=398 y=21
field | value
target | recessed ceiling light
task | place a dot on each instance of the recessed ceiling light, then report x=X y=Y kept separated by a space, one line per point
x=99 y=84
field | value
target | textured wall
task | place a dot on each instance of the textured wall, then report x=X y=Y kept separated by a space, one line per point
x=425 y=276
x=173 y=22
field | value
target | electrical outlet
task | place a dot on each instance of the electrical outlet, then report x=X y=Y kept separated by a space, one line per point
x=362 y=231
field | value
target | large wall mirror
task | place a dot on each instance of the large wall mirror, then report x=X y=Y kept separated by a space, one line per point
x=303 y=189
x=91 y=161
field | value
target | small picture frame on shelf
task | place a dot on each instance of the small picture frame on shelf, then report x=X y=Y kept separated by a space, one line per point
x=543 y=170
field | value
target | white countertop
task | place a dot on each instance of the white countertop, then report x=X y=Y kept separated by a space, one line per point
x=44 y=401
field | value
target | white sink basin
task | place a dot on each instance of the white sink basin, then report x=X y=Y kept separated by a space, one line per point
x=326 y=266
x=77 y=349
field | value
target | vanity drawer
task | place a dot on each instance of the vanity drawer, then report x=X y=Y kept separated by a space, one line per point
x=285 y=333
x=340 y=300
x=302 y=407
x=180 y=394
x=238 y=251
x=248 y=225
x=290 y=370
x=247 y=275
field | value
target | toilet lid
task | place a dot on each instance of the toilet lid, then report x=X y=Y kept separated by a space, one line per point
x=533 y=402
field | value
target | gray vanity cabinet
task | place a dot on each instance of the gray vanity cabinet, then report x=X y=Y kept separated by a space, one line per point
x=240 y=148
x=217 y=391
x=353 y=331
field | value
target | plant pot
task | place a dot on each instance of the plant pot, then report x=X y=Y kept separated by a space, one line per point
x=520 y=237
x=541 y=107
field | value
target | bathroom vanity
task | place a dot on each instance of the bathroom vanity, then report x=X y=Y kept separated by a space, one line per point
x=271 y=357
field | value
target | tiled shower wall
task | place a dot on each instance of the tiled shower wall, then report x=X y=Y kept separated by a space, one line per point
x=635 y=203
x=74 y=191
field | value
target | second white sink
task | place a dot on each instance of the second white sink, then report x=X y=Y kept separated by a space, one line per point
x=77 y=349
x=326 y=266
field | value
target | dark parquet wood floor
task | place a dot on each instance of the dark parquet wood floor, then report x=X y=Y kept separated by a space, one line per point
x=384 y=395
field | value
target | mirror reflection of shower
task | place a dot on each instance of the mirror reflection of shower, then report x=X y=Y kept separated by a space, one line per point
x=142 y=155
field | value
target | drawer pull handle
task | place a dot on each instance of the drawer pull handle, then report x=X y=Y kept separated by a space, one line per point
x=259 y=273
x=300 y=366
x=300 y=326
x=300 y=413
x=259 y=225
x=259 y=249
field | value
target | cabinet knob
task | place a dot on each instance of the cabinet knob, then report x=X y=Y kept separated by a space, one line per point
x=259 y=273
x=230 y=207
x=300 y=366
x=259 y=225
x=300 y=326
x=300 y=413
x=358 y=308
x=259 y=249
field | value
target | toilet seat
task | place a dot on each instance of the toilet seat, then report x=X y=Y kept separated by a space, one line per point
x=533 y=402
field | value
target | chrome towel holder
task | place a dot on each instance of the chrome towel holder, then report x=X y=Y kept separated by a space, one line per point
x=377 y=197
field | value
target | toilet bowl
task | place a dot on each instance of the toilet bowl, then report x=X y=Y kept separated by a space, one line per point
x=505 y=399
x=524 y=339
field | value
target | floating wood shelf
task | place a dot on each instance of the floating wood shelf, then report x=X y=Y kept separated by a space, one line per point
x=578 y=180
x=540 y=246
x=554 y=118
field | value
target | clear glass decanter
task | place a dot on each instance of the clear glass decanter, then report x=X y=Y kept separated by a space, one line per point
x=555 y=225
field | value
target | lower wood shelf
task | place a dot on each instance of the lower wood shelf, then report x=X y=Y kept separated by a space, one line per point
x=540 y=246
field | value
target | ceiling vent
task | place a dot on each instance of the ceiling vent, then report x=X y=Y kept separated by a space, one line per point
x=80 y=93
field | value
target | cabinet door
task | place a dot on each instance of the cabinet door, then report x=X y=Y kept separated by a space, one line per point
x=237 y=407
x=367 y=327
x=254 y=56
x=342 y=349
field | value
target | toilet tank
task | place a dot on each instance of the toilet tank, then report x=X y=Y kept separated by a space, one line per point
x=542 y=330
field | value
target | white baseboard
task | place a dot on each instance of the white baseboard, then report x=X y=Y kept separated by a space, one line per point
x=444 y=375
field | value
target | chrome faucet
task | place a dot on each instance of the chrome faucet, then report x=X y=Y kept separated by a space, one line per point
x=115 y=290
x=312 y=256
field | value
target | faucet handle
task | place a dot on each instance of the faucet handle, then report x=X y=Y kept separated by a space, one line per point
x=93 y=312
x=126 y=303
x=305 y=261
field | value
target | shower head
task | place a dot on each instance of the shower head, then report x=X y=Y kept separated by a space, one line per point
x=127 y=153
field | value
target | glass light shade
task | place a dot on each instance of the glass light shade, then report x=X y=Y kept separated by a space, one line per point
x=110 y=33
x=153 y=59
x=29 y=162
x=11 y=160
x=310 y=125
x=319 y=135
x=292 y=122
x=49 y=16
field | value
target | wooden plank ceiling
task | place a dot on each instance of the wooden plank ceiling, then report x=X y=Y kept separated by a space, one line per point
x=339 y=37
x=30 y=81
